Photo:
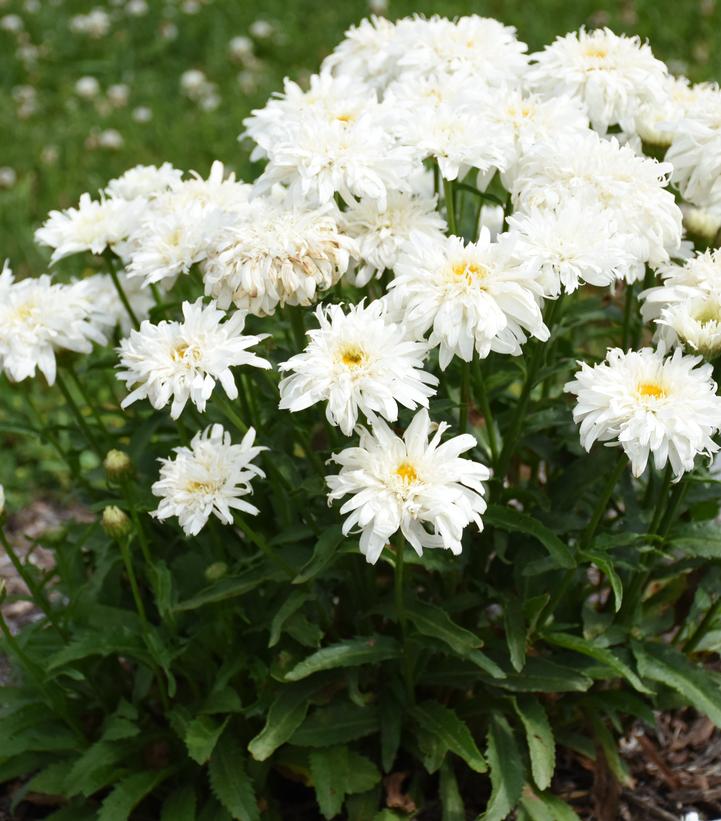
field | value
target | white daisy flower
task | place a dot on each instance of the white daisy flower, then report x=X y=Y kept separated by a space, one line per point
x=93 y=226
x=39 y=318
x=570 y=245
x=277 y=255
x=704 y=223
x=632 y=189
x=369 y=52
x=183 y=360
x=210 y=477
x=101 y=293
x=144 y=181
x=468 y=296
x=420 y=487
x=380 y=235
x=611 y=75
x=357 y=362
x=649 y=404
x=657 y=121
x=696 y=156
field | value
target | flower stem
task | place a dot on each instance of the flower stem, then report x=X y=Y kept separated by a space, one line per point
x=603 y=499
x=706 y=623
x=77 y=413
x=448 y=192
x=81 y=389
x=399 y=595
x=260 y=542
x=484 y=401
x=124 y=544
x=119 y=288
x=630 y=294
x=465 y=397
x=298 y=326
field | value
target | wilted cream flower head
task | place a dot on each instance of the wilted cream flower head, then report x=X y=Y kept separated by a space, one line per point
x=211 y=477
x=93 y=226
x=650 y=404
x=183 y=360
x=704 y=223
x=277 y=254
x=420 y=487
x=631 y=188
x=470 y=296
x=611 y=75
x=147 y=181
x=564 y=247
x=357 y=361
x=380 y=235
x=39 y=318
x=657 y=121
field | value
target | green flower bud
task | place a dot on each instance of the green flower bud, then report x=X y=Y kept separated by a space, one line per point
x=216 y=571
x=115 y=523
x=117 y=464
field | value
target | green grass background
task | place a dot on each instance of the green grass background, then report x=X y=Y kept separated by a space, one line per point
x=686 y=32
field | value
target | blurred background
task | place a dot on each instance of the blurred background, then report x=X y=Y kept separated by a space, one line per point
x=88 y=89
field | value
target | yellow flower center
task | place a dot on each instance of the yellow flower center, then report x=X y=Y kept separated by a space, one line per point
x=709 y=313
x=407 y=472
x=201 y=487
x=345 y=118
x=184 y=351
x=471 y=271
x=25 y=311
x=596 y=51
x=352 y=356
x=652 y=389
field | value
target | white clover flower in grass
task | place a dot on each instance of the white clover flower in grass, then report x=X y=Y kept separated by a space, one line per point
x=611 y=75
x=277 y=254
x=469 y=296
x=211 y=477
x=651 y=405
x=631 y=189
x=357 y=361
x=184 y=360
x=380 y=235
x=93 y=226
x=38 y=318
x=567 y=246
x=422 y=488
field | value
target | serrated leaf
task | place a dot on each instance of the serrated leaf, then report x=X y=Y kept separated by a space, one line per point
x=329 y=768
x=391 y=725
x=128 y=794
x=609 y=746
x=445 y=724
x=230 y=782
x=507 y=771
x=543 y=807
x=362 y=774
x=506 y=518
x=180 y=805
x=542 y=675
x=51 y=780
x=336 y=724
x=292 y=603
x=539 y=736
x=324 y=550
x=668 y=666
x=201 y=736
x=515 y=626
x=435 y=622
x=451 y=802
x=230 y=587
x=604 y=563
x=99 y=758
x=588 y=648
x=349 y=653
x=286 y=714
x=701 y=539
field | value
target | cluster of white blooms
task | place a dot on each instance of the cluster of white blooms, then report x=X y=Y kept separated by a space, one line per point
x=211 y=477
x=461 y=182
x=649 y=403
x=39 y=318
x=687 y=307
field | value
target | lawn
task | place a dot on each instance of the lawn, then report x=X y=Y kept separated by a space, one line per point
x=55 y=144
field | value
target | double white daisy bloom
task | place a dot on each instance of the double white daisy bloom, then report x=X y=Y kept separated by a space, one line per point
x=211 y=477
x=651 y=405
x=183 y=360
x=420 y=487
x=357 y=362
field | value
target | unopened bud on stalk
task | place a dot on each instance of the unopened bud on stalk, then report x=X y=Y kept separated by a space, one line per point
x=117 y=464
x=115 y=523
x=216 y=571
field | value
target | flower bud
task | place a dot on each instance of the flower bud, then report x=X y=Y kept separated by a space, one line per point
x=115 y=523
x=216 y=571
x=117 y=464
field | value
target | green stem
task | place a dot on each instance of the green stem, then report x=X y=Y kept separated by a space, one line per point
x=484 y=401
x=232 y=416
x=399 y=595
x=124 y=545
x=602 y=504
x=38 y=595
x=448 y=192
x=259 y=541
x=298 y=326
x=129 y=494
x=77 y=413
x=630 y=293
x=661 y=501
x=121 y=292
x=465 y=397
x=70 y=368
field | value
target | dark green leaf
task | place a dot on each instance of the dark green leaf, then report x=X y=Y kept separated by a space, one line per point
x=230 y=587
x=323 y=552
x=349 y=653
x=293 y=603
x=515 y=633
x=539 y=736
x=542 y=807
x=604 y=563
x=336 y=724
x=506 y=518
x=507 y=771
x=451 y=801
x=445 y=724
x=434 y=621
x=286 y=714
x=329 y=768
x=128 y=794
x=179 y=805
x=201 y=736
x=229 y=780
